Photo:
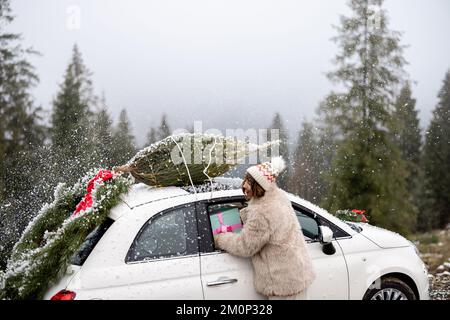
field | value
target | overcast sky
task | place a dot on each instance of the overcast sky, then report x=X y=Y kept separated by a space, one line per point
x=228 y=63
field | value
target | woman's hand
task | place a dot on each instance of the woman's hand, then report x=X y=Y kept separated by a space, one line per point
x=216 y=241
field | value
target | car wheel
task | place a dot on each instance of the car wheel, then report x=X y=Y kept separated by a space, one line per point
x=390 y=289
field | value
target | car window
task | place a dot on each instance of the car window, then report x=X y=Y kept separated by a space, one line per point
x=308 y=222
x=169 y=234
x=309 y=225
x=90 y=242
x=230 y=217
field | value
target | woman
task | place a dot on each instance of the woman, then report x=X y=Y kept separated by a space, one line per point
x=271 y=236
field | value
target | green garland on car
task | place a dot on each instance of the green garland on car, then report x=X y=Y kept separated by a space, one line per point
x=44 y=251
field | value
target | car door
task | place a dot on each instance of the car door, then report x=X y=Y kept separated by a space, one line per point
x=228 y=277
x=223 y=276
x=331 y=270
x=162 y=262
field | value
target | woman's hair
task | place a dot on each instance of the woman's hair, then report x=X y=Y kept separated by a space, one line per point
x=257 y=190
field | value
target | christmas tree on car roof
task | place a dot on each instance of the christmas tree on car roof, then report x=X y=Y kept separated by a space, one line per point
x=189 y=159
x=47 y=245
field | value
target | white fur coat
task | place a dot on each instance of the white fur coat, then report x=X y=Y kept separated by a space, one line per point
x=272 y=237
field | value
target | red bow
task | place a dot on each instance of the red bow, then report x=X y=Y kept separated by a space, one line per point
x=360 y=212
x=86 y=202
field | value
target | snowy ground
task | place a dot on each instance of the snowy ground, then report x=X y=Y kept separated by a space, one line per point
x=440 y=282
x=435 y=252
x=440 y=287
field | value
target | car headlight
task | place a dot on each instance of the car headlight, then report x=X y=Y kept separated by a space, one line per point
x=424 y=266
x=415 y=248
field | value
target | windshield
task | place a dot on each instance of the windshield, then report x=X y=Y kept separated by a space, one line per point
x=91 y=241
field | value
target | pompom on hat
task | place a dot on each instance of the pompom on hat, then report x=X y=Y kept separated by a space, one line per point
x=266 y=173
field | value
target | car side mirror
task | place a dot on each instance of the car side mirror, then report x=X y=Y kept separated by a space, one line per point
x=325 y=235
x=326 y=238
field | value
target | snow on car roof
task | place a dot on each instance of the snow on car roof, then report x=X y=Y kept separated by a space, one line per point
x=217 y=184
x=141 y=193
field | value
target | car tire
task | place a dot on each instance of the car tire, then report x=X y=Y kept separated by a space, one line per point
x=390 y=289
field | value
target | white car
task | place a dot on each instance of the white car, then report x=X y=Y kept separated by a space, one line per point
x=158 y=244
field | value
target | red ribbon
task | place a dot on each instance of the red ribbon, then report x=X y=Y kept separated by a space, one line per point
x=86 y=202
x=225 y=228
x=360 y=212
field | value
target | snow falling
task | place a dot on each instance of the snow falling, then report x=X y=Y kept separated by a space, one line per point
x=366 y=150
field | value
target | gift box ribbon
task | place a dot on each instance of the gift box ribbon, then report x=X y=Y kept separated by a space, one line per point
x=225 y=228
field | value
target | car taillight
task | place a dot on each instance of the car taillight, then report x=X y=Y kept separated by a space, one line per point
x=64 y=295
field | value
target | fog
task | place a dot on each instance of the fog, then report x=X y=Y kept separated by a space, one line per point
x=231 y=64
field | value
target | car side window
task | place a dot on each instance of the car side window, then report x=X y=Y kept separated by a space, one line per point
x=309 y=225
x=168 y=234
x=229 y=220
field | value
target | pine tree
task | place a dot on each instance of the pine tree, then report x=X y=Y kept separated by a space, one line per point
x=406 y=136
x=151 y=137
x=124 y=147
x=164 y=129
x=405 y=128
x=162 y=132
x=436 y=161
x=367 y=171
x=19 y=128
x=21 y=136
x=305 y=180
x=71 y=134
x=156 y=166
x=277 y=124
x=102 y=138
x=328 y=137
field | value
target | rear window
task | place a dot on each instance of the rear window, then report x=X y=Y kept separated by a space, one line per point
x=91 y=241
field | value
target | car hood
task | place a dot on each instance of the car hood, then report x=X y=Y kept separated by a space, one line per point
x=382 y=237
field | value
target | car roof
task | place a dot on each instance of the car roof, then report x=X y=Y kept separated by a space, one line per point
x=141 y=193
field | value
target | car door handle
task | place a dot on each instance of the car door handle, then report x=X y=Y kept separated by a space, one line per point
x=221 y=281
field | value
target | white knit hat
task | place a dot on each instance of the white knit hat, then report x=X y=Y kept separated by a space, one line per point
x=266 y=173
